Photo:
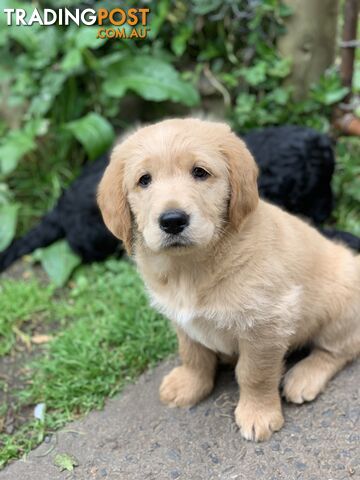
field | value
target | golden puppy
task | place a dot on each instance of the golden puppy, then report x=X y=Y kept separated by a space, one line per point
x=236 y=275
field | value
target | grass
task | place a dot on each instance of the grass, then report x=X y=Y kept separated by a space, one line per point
x=110 y=336
x=104 y=332
x=20 y=302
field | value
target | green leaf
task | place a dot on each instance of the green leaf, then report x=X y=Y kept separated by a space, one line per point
x=151 y=78
x=72 y=61
x=61 y=3
x=245 y=104
x=209 y=52
x=256 y=74
x=159 y=17
x=179 y=41
x=8 y=218
x=353 y=190
x=106 y=61
x=27 y=37
x=281 y=68
x=86 y=37
x=203 y=7
x=59 y=262
x=280 y=96
x=51 y=85
x=5 y=194
x=285 y=10
x=13 y=147
x=49 y=45
x=94 y=132
x=334 y=96
x=356 y=79
x=65 y=461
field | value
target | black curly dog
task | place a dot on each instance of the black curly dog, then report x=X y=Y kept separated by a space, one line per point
x=296 y=165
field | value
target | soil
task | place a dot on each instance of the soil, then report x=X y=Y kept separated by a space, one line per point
x=14 y=366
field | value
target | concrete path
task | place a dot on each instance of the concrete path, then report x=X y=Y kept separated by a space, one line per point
x=137 y=438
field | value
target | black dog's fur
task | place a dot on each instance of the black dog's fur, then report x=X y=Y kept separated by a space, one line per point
x=296 y=166
x=75 y=217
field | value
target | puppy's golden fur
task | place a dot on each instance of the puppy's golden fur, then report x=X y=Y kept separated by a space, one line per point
x=243 y=279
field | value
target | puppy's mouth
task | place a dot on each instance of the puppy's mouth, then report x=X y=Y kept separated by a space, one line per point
x=176 y=241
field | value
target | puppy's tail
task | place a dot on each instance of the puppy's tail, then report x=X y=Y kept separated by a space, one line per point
x=46 y=232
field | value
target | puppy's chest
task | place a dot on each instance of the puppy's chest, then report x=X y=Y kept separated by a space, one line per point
x=216 y=314
x=196 y=314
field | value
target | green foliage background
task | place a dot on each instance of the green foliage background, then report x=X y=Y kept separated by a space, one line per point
x=65 y=93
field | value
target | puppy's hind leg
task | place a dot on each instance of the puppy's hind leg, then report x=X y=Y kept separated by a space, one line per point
x=309 y=377
x=336 y=345
x=194 y=379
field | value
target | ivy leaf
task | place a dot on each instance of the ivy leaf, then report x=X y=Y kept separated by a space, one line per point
x=8 y=218
x=65 y=462
x=151 y=78
x=94 y=132
x=281 y=68
x=334 y=96
x=256 y=74
x=245 y=104
x=59 y=262
x=280 y=96
x=285 y=10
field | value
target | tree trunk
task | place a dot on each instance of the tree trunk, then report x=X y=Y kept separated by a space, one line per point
x=310 y=41
x=351 y=12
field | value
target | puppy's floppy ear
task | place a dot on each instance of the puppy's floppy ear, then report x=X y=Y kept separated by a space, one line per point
x=112 y=200
x=243 y=173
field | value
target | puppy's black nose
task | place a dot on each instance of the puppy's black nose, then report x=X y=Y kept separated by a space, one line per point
x=173 y=221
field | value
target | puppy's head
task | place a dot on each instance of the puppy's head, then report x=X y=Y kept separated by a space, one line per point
x=178 y=184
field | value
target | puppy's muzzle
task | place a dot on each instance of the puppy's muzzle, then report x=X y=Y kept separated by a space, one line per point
x=174 y=221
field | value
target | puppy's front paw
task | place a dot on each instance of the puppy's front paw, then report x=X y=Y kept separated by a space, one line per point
x=184 y=387
x=258 y=422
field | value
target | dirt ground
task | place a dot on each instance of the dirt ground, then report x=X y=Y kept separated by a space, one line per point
x=135 y=438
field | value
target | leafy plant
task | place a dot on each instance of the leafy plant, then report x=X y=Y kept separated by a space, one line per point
x=68 y=92
x=93 y=132
x=151 y=78
x=65 y=462
x=8 y=216
x=59 y=261
x=346 y=184
x=61 y=92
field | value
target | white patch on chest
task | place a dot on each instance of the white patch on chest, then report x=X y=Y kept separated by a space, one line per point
x=219 y=330
x=200 y=325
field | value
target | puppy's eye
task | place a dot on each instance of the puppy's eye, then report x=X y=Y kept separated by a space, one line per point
x=144 y=180
x=200 y=173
